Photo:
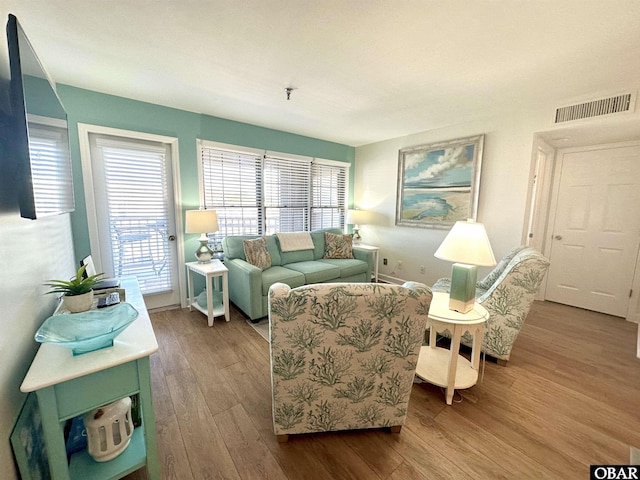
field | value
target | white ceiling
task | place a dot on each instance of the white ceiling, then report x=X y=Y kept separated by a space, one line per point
x=363 y=70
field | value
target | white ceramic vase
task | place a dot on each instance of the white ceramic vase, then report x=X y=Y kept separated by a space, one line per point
x=78 y=303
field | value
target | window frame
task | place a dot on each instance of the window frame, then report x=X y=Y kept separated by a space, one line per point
x=266 y=156
x=95 y=242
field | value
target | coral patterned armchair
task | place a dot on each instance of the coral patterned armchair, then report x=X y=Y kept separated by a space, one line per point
x=507 y=293
x=343 y=356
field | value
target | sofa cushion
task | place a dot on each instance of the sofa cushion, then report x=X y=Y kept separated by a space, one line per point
x=274 y=250
x=296 y=256
x=280 y=274
x=234 y=246
x=338 y=245
x=316 y=271
x=348 y=266
x=256 y=253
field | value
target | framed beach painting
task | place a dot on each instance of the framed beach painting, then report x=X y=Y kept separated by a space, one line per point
x=438 y=183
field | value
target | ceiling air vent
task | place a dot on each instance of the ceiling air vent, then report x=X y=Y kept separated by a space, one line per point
x=624 y=102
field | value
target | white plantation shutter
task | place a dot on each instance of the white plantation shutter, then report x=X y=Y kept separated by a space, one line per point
x=50 y=169
x=137 y=196
x=286 y=194
x=257 y=193
x=328 y=195
x=231 y=182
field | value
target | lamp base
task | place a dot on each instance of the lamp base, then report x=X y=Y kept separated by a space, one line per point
x=462 y=296
x=204 y=254
x=356 y=236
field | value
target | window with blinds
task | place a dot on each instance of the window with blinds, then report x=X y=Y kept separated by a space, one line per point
x=328 y=195
x=231 y=184
x=264 y=193
x=50 y=169
x=286 y=194
x=137 y=193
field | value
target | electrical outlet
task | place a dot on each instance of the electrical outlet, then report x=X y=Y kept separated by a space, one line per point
x=422 y=269
x=384 y=261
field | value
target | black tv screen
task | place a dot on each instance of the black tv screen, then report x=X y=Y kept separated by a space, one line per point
x=40 y=132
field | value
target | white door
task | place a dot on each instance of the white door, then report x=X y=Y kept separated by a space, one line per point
x=135 y=214
x=538 y=195
x=596 y=229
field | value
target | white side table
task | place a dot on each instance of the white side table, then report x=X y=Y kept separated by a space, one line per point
x=376 y=255
x=214 y=269
x=446 y=368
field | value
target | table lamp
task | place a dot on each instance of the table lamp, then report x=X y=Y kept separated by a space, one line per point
x=356 y=218
x=467 y=245
x=202 y=222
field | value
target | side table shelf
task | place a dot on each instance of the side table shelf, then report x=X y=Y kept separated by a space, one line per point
x=218 y=310
x=446 y=367
x=433 y=362
x=82 y=466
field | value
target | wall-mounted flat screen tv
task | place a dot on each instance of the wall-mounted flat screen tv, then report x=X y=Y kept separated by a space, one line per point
x=41 y=137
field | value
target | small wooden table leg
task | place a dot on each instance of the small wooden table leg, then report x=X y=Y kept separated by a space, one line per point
x=453 y=363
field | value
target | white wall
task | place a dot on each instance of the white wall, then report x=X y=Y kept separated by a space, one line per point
x=31 y=252
x=503 y=191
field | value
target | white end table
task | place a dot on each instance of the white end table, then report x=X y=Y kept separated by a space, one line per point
x=376 y=255
x=446 y=368
x=211 y=270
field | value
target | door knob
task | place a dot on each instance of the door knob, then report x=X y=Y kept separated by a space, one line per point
x=558 y=237
x=172 y=238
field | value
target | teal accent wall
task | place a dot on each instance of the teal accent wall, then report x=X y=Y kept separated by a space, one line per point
x=40 y=98
x=85 y=106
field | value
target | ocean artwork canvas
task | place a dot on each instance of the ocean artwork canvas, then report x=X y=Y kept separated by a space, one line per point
x=438 y=183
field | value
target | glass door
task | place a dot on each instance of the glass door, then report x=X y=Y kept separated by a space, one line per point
x=134 y=208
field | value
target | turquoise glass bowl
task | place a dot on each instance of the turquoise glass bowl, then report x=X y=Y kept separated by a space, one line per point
x=87 y=331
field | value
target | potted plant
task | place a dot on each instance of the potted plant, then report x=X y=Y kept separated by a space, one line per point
x=77 y=292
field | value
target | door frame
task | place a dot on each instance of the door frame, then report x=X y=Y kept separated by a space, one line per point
x=543 y=209
x=534 y=232
x=84 y=129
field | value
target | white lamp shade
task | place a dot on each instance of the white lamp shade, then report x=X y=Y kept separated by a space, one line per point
x=467 y=242
x=357 y=217
x=201 y=221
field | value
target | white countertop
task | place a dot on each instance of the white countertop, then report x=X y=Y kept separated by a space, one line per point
x=212 y=267
x=55 y=364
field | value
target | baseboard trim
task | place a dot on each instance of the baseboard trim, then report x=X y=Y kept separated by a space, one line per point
x=389 y=279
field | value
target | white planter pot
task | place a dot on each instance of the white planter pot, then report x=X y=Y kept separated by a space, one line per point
x=78 y=303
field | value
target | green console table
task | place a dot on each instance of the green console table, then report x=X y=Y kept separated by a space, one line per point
x=67 y=386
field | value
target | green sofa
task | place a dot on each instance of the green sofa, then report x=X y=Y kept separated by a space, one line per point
x=249 y=286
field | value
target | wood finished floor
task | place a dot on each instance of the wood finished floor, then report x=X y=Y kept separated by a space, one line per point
x=567 y=399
